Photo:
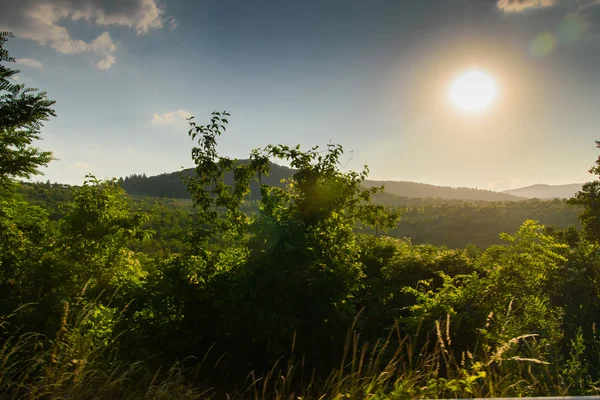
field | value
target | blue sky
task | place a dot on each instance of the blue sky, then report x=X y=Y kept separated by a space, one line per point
x=372 y=75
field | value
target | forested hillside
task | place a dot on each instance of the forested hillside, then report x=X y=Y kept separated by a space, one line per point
x=451 y=223
x=170 y=185
x=458 y=223
x=305 y=292
x=422 y=190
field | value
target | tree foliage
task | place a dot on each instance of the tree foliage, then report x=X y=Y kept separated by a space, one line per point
x=589 y=198
x=22 y=113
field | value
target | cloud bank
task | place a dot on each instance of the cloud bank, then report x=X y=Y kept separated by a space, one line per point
x=170 y=118
x=40 y=21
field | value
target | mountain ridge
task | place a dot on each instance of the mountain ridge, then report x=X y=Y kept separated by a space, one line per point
x=545 y=191
x=169 y=185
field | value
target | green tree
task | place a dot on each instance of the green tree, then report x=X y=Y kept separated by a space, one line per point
x=22 y=111
x=589 y=198
x=93 y=236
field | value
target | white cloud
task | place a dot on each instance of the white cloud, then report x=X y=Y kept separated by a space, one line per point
x=80 y=165
x=40 y=21
x=106 y=62
x=170 y=117
x=522 y=5
x=29 y=62
x=102 y=44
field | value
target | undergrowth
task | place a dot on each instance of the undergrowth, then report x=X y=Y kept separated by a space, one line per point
x=75 y=365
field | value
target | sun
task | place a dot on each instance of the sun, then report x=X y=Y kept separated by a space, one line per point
x=473 y=91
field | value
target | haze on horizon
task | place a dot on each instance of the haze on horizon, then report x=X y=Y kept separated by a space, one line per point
x=374 y=76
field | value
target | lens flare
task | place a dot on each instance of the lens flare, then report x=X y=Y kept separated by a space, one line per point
x=542 y=45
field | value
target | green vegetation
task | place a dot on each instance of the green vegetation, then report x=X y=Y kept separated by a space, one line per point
x=294 y=291
x=22 y=111
x=457 y=224
x=451 y=223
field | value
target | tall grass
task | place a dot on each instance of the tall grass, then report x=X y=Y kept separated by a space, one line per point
x=73 y=365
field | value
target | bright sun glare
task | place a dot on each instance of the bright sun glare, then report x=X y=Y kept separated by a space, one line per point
x=473 y=91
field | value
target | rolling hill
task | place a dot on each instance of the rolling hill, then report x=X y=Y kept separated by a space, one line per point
x=169 y=185
x=423 y=190
x=546 y=191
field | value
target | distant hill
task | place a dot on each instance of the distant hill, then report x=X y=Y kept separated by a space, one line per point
x=423 y=190
x=546 y=191
x=169 y=185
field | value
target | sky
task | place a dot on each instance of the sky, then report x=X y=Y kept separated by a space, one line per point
x=371 y=75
